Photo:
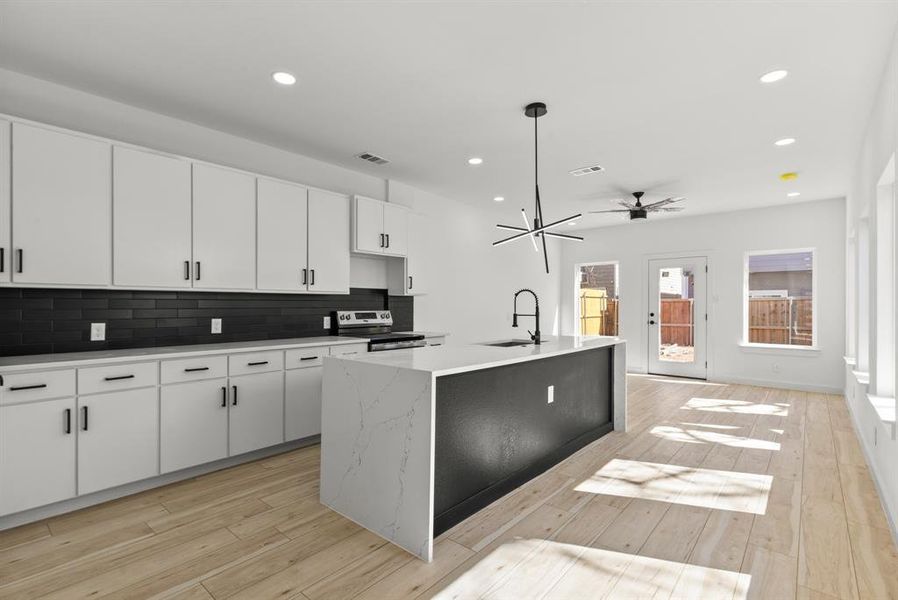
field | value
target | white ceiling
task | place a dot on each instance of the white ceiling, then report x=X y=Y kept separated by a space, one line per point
x=664 y=95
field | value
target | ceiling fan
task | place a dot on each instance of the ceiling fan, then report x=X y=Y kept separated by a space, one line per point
x=638 y=210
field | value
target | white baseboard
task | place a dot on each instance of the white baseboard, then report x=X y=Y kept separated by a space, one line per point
x=72 y=504
x=786 y=385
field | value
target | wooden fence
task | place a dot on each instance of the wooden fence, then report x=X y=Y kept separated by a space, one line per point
x=677 y=322
x=780 y=321
x=598 y=313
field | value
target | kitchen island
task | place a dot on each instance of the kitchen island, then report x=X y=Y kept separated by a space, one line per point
x=414 y=441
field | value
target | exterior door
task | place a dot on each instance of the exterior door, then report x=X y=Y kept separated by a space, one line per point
x=677 y=317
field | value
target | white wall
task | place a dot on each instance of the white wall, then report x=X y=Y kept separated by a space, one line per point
x=878 y=436
x=471 y=283
x=724 y=238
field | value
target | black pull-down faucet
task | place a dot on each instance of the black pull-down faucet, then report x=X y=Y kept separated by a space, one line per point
x=514 y=319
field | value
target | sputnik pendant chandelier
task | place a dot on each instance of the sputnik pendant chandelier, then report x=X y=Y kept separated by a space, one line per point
x=540 y=229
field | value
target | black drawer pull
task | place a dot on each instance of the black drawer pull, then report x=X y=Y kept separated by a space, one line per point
x=195 y=369
x=36 y=386
x=83 y=418
x=234 y=399
x=119 y=377
x=224 y=396
x=308 y=358
x=257 y=363
x=68 y=420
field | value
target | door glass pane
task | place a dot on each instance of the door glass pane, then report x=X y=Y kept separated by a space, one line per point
x=676 y=290
x=598 y=300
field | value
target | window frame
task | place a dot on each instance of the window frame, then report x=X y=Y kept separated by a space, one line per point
x=576 y=300
x=744 y=342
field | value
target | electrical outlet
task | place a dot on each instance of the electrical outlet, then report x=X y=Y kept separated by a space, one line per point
x=327 y=322
x=551 y=394
x=216 y=325
x=97 y=332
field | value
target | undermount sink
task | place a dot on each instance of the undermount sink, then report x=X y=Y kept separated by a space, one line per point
x=510 y=343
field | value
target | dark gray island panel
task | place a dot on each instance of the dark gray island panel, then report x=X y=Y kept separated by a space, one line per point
x=496 y=429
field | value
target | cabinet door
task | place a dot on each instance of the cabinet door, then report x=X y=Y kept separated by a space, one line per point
x=396 y=228
x=61 y=199
x=368 y=225
x=224 y=228
x=151 y=219
x=5 y=225
x=257 y=412
x=118 y=438
x=328 y=242
x=37 y=454
x=302 y=410
x=194 y=424
x=416 y=273
x=282 y=225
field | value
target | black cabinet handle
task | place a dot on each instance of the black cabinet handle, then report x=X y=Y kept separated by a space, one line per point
x=186 y=270
x=119 y=377
x=257 y=363
x=411 y=282
x=195 y=369
x=312 y=281
x=83 y=418
x=21 y=254
x=381 y=240
x=224 y=396
x=234 y=399
x=304 y=277
x=2 y=260
x=68 y=420
x=36 y=386
x=197 y=270
x=308 y=358
x=388 y=240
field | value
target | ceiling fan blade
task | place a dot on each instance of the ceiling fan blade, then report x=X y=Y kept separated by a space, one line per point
x=670 y=209
x=616 y=210
x=627 y=205
x=665 y=201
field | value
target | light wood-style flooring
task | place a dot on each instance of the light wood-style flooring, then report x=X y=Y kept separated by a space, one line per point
x=718 y=491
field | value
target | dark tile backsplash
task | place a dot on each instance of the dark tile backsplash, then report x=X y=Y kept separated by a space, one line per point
x=43 y=321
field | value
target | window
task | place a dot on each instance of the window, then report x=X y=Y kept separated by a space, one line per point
x=779 y=302
x=597 y=293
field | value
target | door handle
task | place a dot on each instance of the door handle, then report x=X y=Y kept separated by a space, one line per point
x=234 y=399
x=83 y=418
x=21 y=254
x=2 y=260
x=68 y=420
x=388 y=240
x=411 y=281
x=186 y=270
x=304 y=279
x=224 y=396
x=312 y=280
x=381 y=240
x=197 y=270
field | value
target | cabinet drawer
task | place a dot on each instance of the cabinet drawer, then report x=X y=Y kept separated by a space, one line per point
x=255 y=362
x=117 y=377
x=194 y=369
x=345 y=349
x=301 y=358
x=39 y=385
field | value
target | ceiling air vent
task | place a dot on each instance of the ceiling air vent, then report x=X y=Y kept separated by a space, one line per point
x=373 y=158
x=586 y=170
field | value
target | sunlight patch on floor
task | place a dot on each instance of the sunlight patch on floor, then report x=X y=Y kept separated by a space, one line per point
x=519 y=565
x=693 y=486
x=741 y=407
x=696 y=436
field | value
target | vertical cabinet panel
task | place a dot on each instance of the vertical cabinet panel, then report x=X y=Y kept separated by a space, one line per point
x=118 y=441
x=302 y=410
x=194 y=424
x=5 y=225
x=224 y=232
x=368 y=224
x=37 y=454
x=396 y=229
x=256 y=412
x=328 y=242
x=416 y=273
x=151 y=219
x=61 y=202
x=282 y=244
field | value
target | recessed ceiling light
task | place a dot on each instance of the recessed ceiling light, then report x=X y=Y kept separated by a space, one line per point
x=773 y=76
x=475 y=161
x=784 y=142
x=499 y=198
x=283 y=78
x=793 y=194
x=572 y=223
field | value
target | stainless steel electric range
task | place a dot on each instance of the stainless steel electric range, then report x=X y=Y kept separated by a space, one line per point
x=377 y=326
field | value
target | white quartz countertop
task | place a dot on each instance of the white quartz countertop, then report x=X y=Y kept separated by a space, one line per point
x=447 y=360
x=80 y=359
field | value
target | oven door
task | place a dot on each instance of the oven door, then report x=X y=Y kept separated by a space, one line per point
x=382 y=346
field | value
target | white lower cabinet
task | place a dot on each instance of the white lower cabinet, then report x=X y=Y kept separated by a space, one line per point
x=194 y=424
x=37 y=454
x=302 y=408
x=256 y=412
x=118 y=438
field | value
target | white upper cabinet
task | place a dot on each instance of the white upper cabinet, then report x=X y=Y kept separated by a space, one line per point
x=61 y=202
x=409 y=277
x=224 y=232
x=282 y=246
x=328 y=242
x=379 y=227
x=151 y=219
x=5 y=225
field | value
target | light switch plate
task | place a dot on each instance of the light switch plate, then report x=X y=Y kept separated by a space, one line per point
x=97 y=332
x=551 y=394
x=216 y=325
x=327 y=322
